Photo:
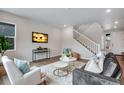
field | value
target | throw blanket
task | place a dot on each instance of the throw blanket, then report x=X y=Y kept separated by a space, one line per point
x=95 y=65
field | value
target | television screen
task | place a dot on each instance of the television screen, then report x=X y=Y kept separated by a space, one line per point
x=39 y=37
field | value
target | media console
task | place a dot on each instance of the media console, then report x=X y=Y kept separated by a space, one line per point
x=40 y=51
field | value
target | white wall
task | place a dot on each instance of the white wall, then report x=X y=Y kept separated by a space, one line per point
x=69 y=42
x=24 y=29
x=58 y=39
x=117 y=39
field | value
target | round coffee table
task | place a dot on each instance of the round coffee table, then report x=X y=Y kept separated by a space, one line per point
x=70 y=61
x=61 y=69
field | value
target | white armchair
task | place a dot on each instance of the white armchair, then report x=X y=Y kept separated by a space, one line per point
x=17 y=78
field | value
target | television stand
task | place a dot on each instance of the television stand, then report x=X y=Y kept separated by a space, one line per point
x=40 y=51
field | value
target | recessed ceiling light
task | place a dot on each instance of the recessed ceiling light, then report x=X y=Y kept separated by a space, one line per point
x=116 y=22
x=115 y=27
x=65 y=25
x=108 y=10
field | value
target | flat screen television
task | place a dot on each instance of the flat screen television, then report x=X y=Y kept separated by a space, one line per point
x=39 y=37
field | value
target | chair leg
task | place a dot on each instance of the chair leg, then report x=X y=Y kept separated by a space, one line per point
x=44 y=82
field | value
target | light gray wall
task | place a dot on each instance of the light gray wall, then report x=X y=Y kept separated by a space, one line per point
x=58 y=39
x=24 y=29
x=69 y=42
x=117 y=39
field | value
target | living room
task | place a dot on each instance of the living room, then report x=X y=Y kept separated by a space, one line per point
x=58 y=26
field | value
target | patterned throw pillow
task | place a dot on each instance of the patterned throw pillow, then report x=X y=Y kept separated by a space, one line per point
x=22 y=65
x=110 y=69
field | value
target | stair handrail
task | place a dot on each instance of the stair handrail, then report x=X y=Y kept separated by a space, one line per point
x=85 y=36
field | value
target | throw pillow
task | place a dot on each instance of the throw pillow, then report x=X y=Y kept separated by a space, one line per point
x=92 y=66
x=110 y=69
x=22 y=65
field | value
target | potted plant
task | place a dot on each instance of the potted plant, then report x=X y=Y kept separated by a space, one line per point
x=4 y=45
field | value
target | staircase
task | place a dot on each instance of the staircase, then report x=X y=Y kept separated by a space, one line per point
x=92 y=46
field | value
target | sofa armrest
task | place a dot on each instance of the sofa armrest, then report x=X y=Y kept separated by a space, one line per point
x=82 y=77
x=33 y=73
x=31 y=78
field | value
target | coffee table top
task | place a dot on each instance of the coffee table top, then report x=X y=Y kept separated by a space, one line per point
x=61 y=64
x=68 y=59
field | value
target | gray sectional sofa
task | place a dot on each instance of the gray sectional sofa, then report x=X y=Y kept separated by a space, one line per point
x=83 y=77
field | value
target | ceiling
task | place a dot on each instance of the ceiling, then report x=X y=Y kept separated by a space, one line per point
x=72 y=16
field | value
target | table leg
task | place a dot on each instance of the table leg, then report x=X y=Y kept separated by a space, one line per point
x=58 y=71
x=35 y=57
x=47 y=55
x=32 y=56
x=45 y=83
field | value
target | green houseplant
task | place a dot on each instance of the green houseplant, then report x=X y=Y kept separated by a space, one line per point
x=4 y=45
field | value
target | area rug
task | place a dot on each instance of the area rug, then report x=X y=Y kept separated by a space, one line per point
x=56 y=80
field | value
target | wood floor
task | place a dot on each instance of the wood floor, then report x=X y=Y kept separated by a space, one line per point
x=46 y=61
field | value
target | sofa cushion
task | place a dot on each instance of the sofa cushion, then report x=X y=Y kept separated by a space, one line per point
x=22 y=65
x=93 y=66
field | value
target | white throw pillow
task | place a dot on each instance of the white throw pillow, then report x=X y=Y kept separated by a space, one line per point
x=92 y=66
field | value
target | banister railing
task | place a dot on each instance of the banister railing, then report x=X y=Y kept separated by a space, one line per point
x=86 y=42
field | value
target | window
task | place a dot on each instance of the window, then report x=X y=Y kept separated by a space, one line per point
x=8 y=30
